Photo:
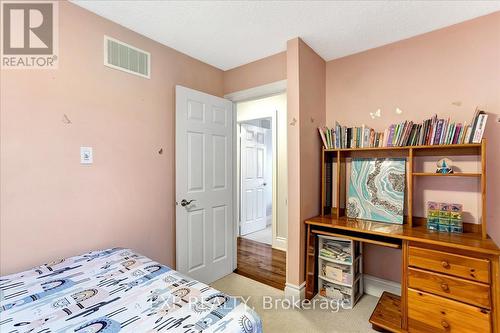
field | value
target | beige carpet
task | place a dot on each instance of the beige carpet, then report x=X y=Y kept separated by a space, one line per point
x=295 y=320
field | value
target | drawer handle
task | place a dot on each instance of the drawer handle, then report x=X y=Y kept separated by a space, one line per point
x=445 y=264
x=445 y=287
x=445 y=324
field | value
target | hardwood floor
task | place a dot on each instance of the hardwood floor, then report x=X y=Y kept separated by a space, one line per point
x=260 y=262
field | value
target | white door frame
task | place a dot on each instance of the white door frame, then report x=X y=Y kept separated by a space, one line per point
x=263 y=91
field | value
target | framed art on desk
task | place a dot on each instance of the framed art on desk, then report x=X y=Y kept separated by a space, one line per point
x=376 y=189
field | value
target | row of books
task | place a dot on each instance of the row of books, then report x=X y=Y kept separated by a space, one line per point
x=431 y=131
x=350 y=137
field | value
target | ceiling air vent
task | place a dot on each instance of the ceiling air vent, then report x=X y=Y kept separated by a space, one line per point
x=124 y=57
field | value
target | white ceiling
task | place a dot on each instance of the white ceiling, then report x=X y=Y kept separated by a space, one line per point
x=228 y=34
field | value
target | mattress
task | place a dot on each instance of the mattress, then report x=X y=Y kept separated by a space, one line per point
x=116 y=290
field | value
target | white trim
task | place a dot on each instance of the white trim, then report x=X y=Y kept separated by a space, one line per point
x=236 y=205
x=280 y=243
x=107 y=64
x=263 y=91
x=294 y=292
x=376 y=286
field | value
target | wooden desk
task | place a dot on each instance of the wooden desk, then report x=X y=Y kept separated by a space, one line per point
x=456 y=276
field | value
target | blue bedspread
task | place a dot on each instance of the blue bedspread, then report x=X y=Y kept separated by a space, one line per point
x=116 y=290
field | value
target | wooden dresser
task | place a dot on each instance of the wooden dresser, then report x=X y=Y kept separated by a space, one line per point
x=450 y=290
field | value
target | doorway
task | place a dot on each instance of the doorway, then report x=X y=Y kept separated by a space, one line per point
x=262 y=211
x=256 y=179
x=208 y=242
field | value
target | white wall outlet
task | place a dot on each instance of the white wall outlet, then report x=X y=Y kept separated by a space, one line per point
x=86 y=156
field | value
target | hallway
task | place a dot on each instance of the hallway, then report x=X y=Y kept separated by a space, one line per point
x=260 y=262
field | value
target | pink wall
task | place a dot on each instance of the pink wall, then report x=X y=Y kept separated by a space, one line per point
x=306 y=111
x=257 y=73
x=52 y=206
x=449 y=71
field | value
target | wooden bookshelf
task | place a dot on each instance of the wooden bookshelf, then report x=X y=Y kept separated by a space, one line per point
x=339 y=157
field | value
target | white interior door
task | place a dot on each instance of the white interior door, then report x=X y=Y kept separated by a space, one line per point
x=204 y=189
x=253 y=196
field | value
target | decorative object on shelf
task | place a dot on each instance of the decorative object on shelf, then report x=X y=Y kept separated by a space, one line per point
x=444 y=166
x=444 y=217
x=376 y=189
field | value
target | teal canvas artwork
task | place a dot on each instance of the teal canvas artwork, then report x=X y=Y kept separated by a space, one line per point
x=377 y=190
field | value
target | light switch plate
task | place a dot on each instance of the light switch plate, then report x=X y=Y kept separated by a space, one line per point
x=86 y=156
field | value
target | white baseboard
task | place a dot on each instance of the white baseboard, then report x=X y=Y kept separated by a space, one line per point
x=294 y=292
x=376 y=286
x=279 y=243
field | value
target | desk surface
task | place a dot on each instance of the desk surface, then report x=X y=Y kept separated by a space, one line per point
x=465 y=241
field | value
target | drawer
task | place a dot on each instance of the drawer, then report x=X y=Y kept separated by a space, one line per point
x=470 y=292
x=453 y=264
x=431 y=314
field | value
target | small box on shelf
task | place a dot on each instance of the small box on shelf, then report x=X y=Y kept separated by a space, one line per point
x=444 y=217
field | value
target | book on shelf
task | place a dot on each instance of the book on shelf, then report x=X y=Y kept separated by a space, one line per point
x=432 y=131
x=323 y=138
x=480 y=126
x=328 y=184
x=333 y=186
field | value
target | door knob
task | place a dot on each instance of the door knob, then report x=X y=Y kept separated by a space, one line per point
x=184 y=202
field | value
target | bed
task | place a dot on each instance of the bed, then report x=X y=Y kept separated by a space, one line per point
x=116 y=290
